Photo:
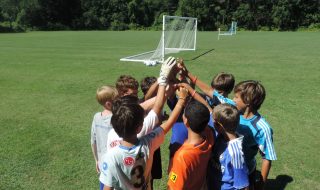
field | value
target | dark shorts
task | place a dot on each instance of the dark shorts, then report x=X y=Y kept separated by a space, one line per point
x=255 y=179
x=156 y=170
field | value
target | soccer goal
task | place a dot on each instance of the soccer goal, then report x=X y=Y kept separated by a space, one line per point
x=178 y=34
x=232 y=30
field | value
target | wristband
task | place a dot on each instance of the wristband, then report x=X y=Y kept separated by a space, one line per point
x=195 y=80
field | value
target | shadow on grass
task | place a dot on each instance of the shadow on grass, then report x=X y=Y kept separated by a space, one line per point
x=196 y=57
x=279 y=183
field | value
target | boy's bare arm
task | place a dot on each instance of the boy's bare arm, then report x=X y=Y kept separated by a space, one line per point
x=203 y=86
x=95 y=155
x=148 y=104
x=160 y=99
x=183 y=94
x=265 y=168
x=195 y=95
x=208 y=90
x=107 y=188
x=152 y=91
x=162 y=81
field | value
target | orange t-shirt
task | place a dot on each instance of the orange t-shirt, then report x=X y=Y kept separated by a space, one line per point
x=189 y=166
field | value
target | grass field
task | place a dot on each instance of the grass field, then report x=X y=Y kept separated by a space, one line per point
x=48 y=82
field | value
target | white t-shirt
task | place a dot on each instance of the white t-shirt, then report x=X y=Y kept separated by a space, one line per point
x=101 y=126
x=149 y=123
x=130 y=168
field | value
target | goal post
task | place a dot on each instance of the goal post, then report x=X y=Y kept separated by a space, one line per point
x=178 y=34
x=230 y=32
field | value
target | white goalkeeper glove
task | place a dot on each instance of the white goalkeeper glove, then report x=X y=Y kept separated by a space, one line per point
x=165 y=70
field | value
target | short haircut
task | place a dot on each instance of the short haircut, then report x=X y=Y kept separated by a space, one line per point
x=127 y=119
x=198 y=115
x=227 y=115
x=124 y=100
x=252 y=93
x=223 y=82
x=106 y=93
x=126 y=82
x=146 y=83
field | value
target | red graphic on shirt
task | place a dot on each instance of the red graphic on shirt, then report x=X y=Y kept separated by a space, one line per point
x=114 y=143
x=128 y=161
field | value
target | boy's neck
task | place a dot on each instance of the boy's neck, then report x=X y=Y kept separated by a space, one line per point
x=129 y=142
x=230 y=136
x=248 y=113
x=194 y=138
x=106 y=112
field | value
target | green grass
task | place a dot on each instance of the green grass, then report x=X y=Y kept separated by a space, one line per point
x=47 y=90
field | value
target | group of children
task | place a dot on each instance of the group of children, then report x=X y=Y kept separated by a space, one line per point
x=214 y=139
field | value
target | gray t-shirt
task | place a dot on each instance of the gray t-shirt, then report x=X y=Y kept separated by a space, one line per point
x=101 y=126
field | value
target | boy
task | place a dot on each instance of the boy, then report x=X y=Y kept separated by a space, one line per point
x=101 y=125
x=223 y=83
x=190 y=162
x=162 y=80
x=227 y=169
x=128 y=165
x=248 y=98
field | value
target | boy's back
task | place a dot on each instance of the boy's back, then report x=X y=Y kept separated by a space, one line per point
x=190 y=164
x=129 y=168
x=227 y=163
x=101 y=126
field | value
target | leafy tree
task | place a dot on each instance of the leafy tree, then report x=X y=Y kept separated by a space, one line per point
x=200 y=9
x=9 y=11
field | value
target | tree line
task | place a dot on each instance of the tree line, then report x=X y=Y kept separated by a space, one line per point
x=22 y=15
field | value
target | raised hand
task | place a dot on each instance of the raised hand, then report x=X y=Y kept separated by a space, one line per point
x=182 y=68
x=182 y=93
x=165 y=70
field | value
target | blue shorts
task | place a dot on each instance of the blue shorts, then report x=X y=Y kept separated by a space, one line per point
x=101 y=185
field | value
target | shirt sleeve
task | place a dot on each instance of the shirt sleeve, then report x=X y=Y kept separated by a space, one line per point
x=93 y=132
x=155 y=139
x=149 y=123
x=240 y=169
x=177 y=175
x=223 y=99
x=266 y=146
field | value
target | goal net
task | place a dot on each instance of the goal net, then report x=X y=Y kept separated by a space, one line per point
x=178 y=34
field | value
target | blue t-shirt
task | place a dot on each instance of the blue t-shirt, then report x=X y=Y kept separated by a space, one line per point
x=257 y=136
x=227 y=169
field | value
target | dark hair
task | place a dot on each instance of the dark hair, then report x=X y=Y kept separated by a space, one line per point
x=126 y=82
x=127 y=119
x=251 y=93
x=223 y=82
x=227 y=115
x=198 y=115
x=146 y=84
x=124 y=100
